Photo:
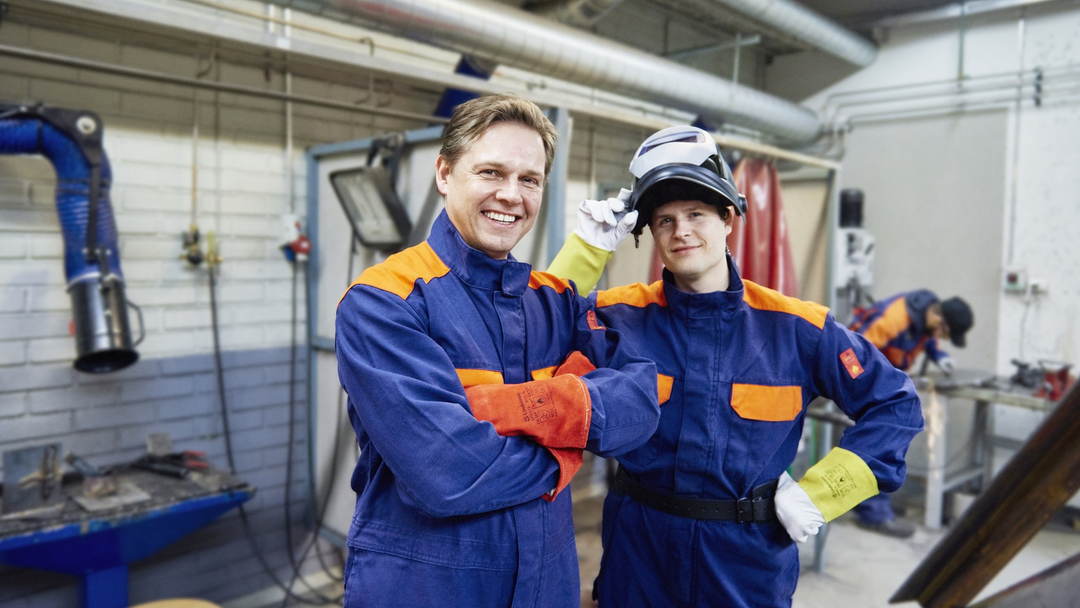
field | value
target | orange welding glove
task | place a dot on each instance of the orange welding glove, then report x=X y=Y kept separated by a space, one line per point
x=554 y=412
x=569 y=459
x=576 y=364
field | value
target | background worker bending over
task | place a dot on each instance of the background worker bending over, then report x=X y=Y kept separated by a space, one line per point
x=902 y=327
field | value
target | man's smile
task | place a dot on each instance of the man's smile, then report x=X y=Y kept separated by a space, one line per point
x=502 y=218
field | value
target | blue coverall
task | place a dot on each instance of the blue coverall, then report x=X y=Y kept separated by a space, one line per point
x=449 y=513
x=741 y=366
x=897 y=327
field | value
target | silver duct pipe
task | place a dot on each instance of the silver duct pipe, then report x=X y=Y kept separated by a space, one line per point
x=512 y=37
x=784 y=20
x=576 y=13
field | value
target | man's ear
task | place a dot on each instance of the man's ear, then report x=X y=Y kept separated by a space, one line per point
x=442 y=171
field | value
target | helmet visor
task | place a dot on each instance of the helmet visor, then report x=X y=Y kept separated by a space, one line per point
x=654 y=190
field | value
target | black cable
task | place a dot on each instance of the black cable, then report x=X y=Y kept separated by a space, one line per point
x=1023 y=321
x=289 y=443
x=248 y=534
x=324 y=504
x=334 y=454
x=331 y=479
x=289 y=463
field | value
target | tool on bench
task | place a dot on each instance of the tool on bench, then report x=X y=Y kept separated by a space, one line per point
x=96 y=483
x=176 y=464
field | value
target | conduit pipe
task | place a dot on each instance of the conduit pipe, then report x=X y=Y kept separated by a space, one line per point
x=508 y=36
x=784 y=20
x=577 y=13
x=71 y=141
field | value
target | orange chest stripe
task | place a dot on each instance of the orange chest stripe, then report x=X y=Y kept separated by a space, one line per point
x=663 y=387
x=766 y=403
x=476 y=377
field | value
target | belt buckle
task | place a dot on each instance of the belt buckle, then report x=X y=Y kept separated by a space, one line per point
x=744 y=511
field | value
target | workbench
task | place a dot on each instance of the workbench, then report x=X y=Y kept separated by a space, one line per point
x=984 y=390
x=98 y=546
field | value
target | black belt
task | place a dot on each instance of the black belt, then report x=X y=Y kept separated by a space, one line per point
x=758 y=508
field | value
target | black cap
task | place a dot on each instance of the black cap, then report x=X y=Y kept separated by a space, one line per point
x=959 y=318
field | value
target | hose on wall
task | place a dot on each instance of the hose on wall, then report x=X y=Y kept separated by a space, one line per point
x=72 y=141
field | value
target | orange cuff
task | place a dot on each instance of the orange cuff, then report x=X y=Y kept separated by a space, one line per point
x=570 y=460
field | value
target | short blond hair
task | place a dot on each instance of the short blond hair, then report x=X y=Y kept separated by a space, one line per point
x=472 y=118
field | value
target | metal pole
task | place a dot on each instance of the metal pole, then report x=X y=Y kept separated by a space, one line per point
x=556 y=186
x=204 y=84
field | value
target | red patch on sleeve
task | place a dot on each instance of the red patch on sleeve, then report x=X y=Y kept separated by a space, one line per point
x=594 y=323
x=851 y=363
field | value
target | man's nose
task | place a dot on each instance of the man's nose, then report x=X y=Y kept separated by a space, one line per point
x=509 y=191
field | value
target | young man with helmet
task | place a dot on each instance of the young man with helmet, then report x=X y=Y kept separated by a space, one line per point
x=704 y=513
x=902 y=327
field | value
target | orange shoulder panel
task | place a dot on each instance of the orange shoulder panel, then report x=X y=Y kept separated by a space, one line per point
x=890 y=324
x=399 y=273
x=763 y=298
x=638 y=295
x=539 y=279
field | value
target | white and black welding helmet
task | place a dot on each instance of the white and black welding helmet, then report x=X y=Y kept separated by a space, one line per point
x=685 y=163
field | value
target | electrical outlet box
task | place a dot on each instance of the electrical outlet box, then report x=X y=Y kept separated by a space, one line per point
x=1014 y=280
x=1039 y=287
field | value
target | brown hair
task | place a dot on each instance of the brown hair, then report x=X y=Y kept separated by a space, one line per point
x=472 y=118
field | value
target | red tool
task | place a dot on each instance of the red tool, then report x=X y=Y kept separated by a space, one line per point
x=1056 y=379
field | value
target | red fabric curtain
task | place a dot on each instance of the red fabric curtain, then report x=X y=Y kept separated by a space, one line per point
x=760 y=245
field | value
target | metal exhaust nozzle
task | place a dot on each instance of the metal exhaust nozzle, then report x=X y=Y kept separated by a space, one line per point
x=102 y=333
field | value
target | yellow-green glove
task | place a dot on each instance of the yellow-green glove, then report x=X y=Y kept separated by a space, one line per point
x=839 y=482
x=580 y=262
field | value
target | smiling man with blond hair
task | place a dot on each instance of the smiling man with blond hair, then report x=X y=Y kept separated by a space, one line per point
x=474 y=384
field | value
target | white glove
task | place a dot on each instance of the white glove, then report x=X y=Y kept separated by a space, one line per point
x=946 y=364
x=796 y=512
x=603 y=224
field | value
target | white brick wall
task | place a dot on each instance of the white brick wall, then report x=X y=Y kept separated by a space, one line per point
x=243 y=191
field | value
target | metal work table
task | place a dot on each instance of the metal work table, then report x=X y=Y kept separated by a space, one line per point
x=984 y=389
x=98 y=546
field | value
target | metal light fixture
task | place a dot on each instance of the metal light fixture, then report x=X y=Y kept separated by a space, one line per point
x=376 y=212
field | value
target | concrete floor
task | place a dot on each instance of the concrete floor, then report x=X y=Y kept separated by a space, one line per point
x=862 y=569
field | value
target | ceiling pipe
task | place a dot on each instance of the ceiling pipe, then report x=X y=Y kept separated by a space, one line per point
x=783 y=20
x=577 y=13
x=512 y=37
